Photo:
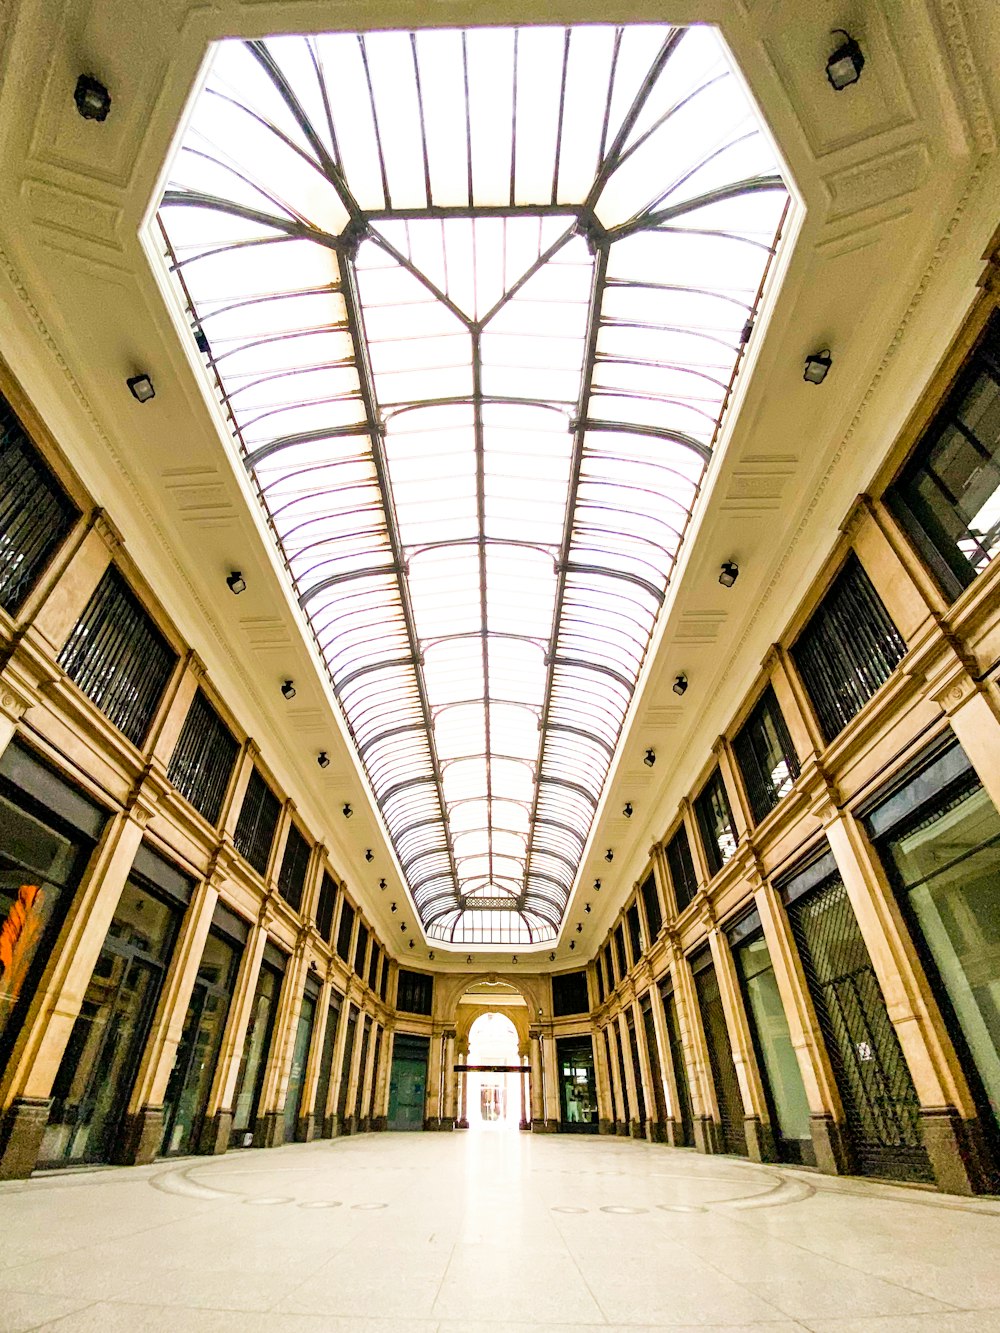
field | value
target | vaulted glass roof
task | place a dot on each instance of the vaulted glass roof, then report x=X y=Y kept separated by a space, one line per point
x=473 y=302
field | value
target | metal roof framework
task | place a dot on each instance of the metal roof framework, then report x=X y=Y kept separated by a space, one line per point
x=474 y=302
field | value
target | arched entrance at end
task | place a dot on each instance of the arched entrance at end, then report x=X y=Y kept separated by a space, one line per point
x=495 y=1087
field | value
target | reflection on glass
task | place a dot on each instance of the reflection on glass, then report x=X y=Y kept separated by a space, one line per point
x=322 y=1107
x=492 y=284
x=92 y=1088
x=950 y=866
x=297 y=1073
x=774 y=1041
x=253 y=1061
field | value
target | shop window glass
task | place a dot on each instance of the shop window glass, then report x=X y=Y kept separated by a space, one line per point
x=599 y=973
x=36 y=515
x=948 y=496
x=324 y=907
x=373 y=966
x=256 y=825
x=203 y=759
x=253 y=1060
x=651 y=902
x=322 y=1106
x=294 y=864
x=39 y=869
x=949 y=867
x=681 y=865
x=766 y=756
x=344 y=931
x=715 y=823
x=345 y=1068
x=577 y=1085
x=848 y=650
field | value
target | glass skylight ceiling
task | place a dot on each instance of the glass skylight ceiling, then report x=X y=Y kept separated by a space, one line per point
x=474 y=301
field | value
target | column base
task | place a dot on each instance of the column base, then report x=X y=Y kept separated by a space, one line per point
x=380 y=1124
x=365 y=1125
x=269 y=1132
x=656 y=1131
x=544 y=1126
x=673 y=1133
x=959 y=1155
x=621 y=1129
x=522 y=1124
x=706 y=1134
x=432 y=1123
x=215 y=1133
x=760 y=1140
x=21 y=1128
x=446 y=1124
x=464 y=1124
x=605 y=1126
x=305 y=1129
x=637 y=1129
x=349 y=1124
x=831 y=1146
x=141 y=1137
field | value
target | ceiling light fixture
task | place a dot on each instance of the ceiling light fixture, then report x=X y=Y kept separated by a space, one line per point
x=514 y=959
x=382 y=884
x=468 y=958
x=680 y=684
x=392 y=908
x=609 y=855
x=347 y=811
x=845 y=65
x=288 y=690
x=552 y=958
x=729 y=573
x=579 y=927
x=649 y=758
x=412 y=945
x=323 y=759
x=431 y=955
x=587 y=908
x=572 y=944
x=402 y=926
x=236 y=583
x=93 y=101
x=627 y=810
x=597 y=886
x=141 y=388
x=369 y=854
x=817 y=366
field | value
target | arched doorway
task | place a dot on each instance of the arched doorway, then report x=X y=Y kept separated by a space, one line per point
x=493 y=1094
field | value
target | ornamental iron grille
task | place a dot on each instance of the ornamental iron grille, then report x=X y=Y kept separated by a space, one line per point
x=203 y=759
x=715 y=823
x=766 y=756
x=682 y=873
x=294 y=864
x=36 y=515
x=257 y=823
x=880 y=1102
x=720 y=1058
x=474 y=302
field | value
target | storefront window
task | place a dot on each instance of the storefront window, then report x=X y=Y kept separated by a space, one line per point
x=254 y=1059
x=577 y=1086
x=297 y=1074
x=949 y=868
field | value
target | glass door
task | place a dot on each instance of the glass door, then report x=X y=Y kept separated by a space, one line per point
x=682 y=1112
x=253 y=1062
x=720 y=1058
x=297 y=1074
x=577 y=1085
x=194 y=1067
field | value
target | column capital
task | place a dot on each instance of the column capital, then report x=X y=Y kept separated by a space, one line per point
x=857 y=516
x=14 y=701
x=106 y=529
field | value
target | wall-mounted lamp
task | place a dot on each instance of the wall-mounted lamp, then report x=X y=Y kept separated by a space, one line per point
x=347 y=811
x=392 y=908
x=369 y=854
x=236 y=583
x=597 y=886
x=817 y=366
x=323 y=759
x=382 y=884
x=141 y=388
x=627 y=810
x=649 y=758
x=680 y=684
x=587 y=908
x=609 y=855
x=579 y=927
x=288 y=690
x=93 y=101
x=729 y=573
x=845 y=65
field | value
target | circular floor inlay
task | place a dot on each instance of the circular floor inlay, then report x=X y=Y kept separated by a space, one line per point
x=567 y=1208
x=321 y=1203
x=621 y=1208
x=270 y=1198
x=368 y=1205
x=680 y=1208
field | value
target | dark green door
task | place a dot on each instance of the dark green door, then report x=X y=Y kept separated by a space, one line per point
x=408 y=1082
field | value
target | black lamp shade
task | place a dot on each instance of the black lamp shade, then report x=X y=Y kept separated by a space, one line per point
x=649 y=758
x=845 y=65
x=817 y=366
x=288 y=690
x=323 y=759
x=93 y=101
x=141 y=388
x=236 y=583
x=729 y=573
x=680 y=685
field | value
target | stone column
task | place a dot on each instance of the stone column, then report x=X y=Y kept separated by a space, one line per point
x=219 y=1110
x=462 y=1053
x=381 y=1109
x=635 y=1126
x=310 y=1116
x=351 y=1117
x=337 y=1069
x=826 y=1113
x=364 y=1119
x=142 y=1132
x=450 y=1082
x=525 y=1121
x=756 y=1116
x=550 y=1082
x=269 y=1132
x=949 y=1120
x=973 y=710
x=704 y=1109
x=652 y=1129
x=174 y=708
x=432 y=1115
x=537 y=1104
x=602 y=1077
x=25 y=1092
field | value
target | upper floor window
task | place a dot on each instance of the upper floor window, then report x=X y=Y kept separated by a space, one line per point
x=599 y=973
x=848 y=650
x=344 y=931
x=361 y=949
x=681 y=864
x=948 y=495
x=294 y=864
x=620 y=954
x=651 y=902
x=35 y=513
x=715 y=823
x=609 y=966
x=325 y=904
x=203 y=759
x=570 y=994
x=257 y=823
x=634 y=931
x=414 y=992
x=118 y=657
x=373 y=966
x=766 y=756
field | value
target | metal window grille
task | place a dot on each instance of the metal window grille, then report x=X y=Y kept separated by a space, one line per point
x=715 y=823
x=651 y=902
x=685 y=881
x=570 y=994
x=344 y=932
x=720 y=1057
x=257 y=823
x=848 y=650
x=373 y=967
x=880 y=1102
x=203 y=759
x=118 y=658
x=634 y=931
x=766 y=756
x=36 y=515
x=294 y=864
x=620 y=953
x=361 y=949
x=415 y=992
x=325 y=905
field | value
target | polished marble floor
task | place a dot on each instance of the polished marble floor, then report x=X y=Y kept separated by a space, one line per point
x=490 y=1230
